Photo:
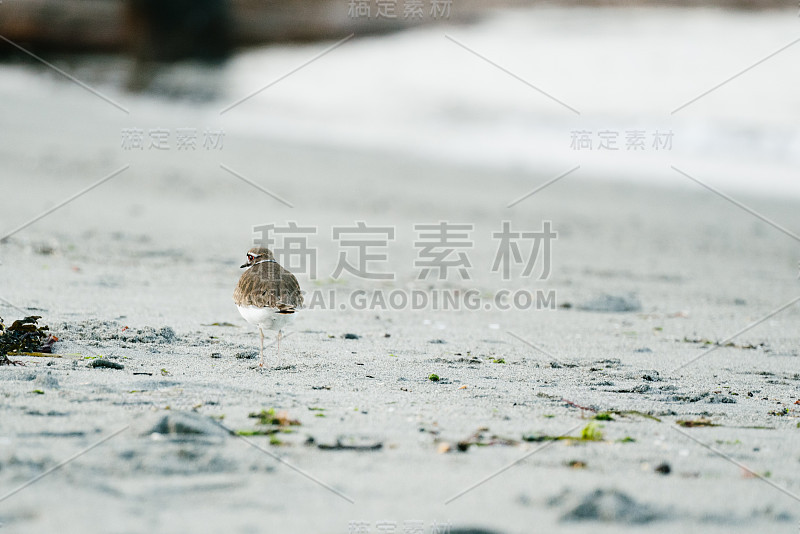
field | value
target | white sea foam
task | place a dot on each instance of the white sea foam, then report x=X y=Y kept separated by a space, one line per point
x=419 y=94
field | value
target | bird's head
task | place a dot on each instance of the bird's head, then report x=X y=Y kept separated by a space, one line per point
x=257 y=254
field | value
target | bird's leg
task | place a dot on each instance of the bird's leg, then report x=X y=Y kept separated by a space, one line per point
x=261 y=362
x=280 y=335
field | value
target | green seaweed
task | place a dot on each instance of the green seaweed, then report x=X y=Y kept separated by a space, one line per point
x=433 y=377
x=591 y=432
x=270 y=417
x=257 y=432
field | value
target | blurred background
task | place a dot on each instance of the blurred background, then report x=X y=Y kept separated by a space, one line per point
x=410 y=81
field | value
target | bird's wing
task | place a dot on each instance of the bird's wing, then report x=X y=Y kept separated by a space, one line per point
x=268 y=285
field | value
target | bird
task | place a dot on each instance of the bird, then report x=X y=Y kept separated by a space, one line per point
x=267 y=295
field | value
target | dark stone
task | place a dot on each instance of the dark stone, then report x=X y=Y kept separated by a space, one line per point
x=187 y=424
x=100 y=363
x=612 y=303
x=611 y=506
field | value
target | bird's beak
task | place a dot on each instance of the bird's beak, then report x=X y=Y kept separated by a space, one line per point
x=245 y=265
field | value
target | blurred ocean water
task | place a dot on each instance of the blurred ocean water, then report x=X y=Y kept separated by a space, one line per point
x=625 y=71
x=612 y=90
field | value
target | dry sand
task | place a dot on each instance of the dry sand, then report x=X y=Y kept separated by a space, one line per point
x=157 y=249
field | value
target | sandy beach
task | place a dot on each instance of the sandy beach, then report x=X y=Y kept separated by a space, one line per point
x=608 y=411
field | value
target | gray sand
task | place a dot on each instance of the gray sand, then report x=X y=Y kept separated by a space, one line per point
x=157 y=250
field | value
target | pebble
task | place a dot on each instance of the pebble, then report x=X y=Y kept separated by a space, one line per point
x=107 y=364
x=611 y=506
x=186 y=423
x=612 y=303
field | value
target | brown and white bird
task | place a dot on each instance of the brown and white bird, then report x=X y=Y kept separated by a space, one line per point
x=268 y=295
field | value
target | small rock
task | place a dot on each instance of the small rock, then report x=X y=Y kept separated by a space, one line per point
x=352 y=443
x=611 y=506
x=186 y=424
x=612 y=303
x=437 y=341
x=45 y=249
x=721 y=399
x=651 y=376
x=663 y=468
x=167 y=334
x=106 y=364
x=216 y=355
x=351 y=336
x=247 y=355
x=643 y=350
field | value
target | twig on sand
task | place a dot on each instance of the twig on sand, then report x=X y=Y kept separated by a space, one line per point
x=5 y=361
x=576 y=405
x=36 y=354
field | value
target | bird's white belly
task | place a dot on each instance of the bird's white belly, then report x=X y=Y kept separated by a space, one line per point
x=266 y=317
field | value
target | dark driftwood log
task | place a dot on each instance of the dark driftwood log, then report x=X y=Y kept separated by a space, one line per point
x=68 y=25
x=171 y=29
x=179 y=29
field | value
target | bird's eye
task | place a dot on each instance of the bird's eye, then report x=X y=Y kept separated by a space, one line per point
x=249 y=257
